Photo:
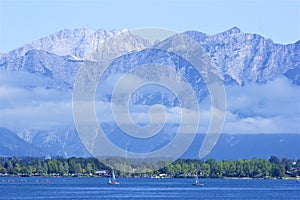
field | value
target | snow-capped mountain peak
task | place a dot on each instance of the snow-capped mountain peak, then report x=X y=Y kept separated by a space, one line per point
x=79 y=42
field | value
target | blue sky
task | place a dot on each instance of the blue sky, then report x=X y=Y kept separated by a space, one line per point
x=24 y=21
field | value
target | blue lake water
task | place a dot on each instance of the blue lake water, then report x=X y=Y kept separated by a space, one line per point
x=141 y=188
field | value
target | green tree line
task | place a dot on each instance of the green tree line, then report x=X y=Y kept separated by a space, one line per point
x=253 y=168
x=60 y=166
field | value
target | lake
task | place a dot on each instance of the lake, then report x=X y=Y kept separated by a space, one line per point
x=142 y=188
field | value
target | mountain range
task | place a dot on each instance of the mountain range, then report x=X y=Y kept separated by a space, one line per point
x=41 y=75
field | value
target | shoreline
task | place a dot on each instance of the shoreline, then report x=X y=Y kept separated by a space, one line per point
x=101 y=177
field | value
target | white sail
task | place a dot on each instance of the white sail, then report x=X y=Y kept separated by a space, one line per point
x=197 y=182
x=196 y=179
x=113 y=175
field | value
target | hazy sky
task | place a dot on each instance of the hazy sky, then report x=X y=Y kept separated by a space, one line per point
x=23 y=21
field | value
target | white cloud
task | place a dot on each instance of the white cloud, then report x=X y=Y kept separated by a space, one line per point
x=44 y=115
x=26 y=103
x=270 y=108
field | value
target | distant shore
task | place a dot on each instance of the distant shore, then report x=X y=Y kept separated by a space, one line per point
x=273 y=168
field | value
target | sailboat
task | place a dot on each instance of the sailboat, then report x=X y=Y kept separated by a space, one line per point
x=197 y=182
x=113 y=180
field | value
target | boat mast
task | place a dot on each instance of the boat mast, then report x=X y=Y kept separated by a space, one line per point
x=113 y=175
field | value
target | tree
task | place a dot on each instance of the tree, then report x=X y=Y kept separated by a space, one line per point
x=52 y=166
x=45 y=168
x=177 y=169
x=89 y=168
x=61 y=168
x=204 y=170
x=17 y=168
x=170 y=169
x=248 y=168
x=286 y=163
x=9 y=167
x=214 y=168
x=39 y=167
x=229 y=168
x=3 y=170
x=274 y=160
x=277 y=171
x=185 y=169
x=66 y=168
x=239 y=168
x=72 y=166
x=266 y=168
x=78 y=168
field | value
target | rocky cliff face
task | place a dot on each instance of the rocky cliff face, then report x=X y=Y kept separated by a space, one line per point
x=244 y=57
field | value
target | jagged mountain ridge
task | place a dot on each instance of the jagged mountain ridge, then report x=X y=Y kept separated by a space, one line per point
x=56 y=56
x=242 y=58
x=246 y=57
x=60 y=69
x=78 y=43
